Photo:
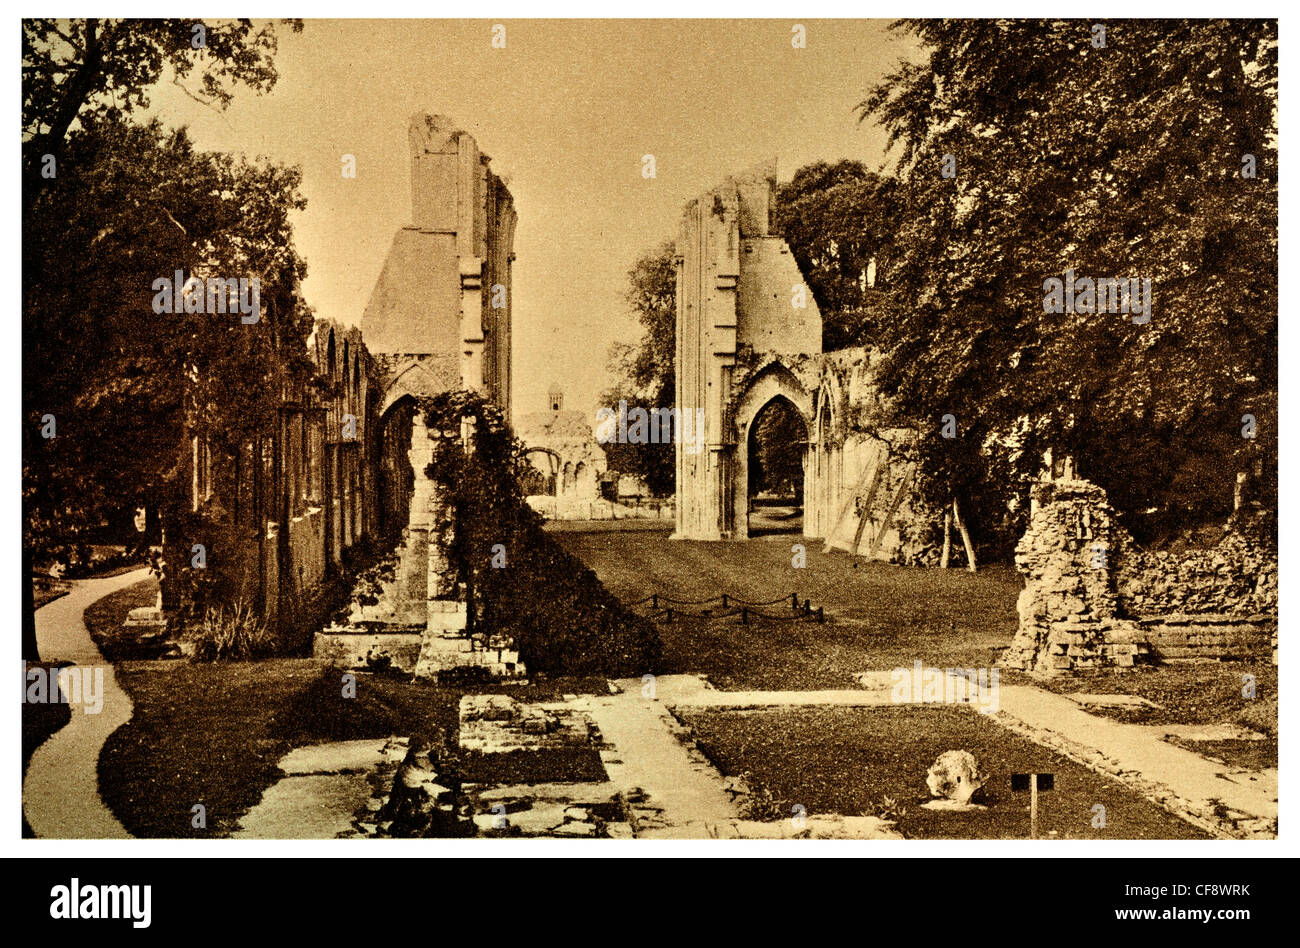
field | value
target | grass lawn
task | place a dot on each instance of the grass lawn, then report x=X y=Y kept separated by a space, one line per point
x=213 y=734
x=878 y=616
x=1194 y=693
x=115 y=570
x=45 y=590
x=104 y=619
x=848 y=760
x=1191 y=693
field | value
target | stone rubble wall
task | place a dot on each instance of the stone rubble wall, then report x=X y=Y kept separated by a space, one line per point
x=1238 y=576
x=1094 y=599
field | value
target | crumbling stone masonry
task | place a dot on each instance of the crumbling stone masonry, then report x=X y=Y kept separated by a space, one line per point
x=563 y=449
x=749 y=332
x=438 y=320
x=858 y=496
x=736 y=317
x=1094 y=599
x=440 y=311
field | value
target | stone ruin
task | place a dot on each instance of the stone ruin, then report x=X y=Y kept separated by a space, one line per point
x=438 y=319
x=953 y=779
x=498 y=724
x=420 y=622
x=1094 y=599
x=749 y=332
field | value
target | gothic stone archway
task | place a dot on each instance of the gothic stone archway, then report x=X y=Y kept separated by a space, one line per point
x=774 y=382
x=747 y=330
x=396 y=476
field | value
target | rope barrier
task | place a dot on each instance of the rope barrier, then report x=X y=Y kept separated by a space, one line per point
x=731 y=606
x=726 y=600
x=744 y=613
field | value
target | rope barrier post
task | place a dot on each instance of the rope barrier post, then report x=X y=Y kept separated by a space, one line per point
x=821 y=616
x=744 y=616
x=654 y=601
x=807 y=607
x=794 y=601
x=724 y=600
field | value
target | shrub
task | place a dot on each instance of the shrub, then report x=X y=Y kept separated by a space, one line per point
x=228 y=636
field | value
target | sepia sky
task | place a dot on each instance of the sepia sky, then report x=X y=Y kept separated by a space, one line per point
x=566 y=111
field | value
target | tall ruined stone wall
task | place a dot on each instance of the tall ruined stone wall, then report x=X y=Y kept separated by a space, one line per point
x=438 y=320
x=1093 y=598
x=444 y=296
x=851 y=450
x=735 y=297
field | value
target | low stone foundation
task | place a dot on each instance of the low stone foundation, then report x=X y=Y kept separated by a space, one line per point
x=1209 y=637
x=451 y=653
x=351 y=648
x=498 y=724
x=568 y=508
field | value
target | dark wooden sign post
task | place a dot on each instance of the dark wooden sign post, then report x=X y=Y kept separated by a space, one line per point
x=1033 y=783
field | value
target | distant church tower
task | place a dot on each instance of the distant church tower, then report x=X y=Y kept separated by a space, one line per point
x=555 y=398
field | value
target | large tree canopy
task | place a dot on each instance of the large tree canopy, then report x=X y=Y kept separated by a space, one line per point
x=136 y=203
x=644 y=373
x=838 y=220
x=1119 y=155
x=100 y=68
x=109 y=207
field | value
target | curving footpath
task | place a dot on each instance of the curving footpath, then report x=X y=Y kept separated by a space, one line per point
x=61 y=790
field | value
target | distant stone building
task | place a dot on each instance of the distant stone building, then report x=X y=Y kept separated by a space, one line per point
x=563 y=450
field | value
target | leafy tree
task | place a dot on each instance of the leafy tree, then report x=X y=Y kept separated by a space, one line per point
x=1117 y=160
x=119 y=206
x=645 y=373
x=838 y=219
x=137 y=203
x=102 y=69
x=776 y=455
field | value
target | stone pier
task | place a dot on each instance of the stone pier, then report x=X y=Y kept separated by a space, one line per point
x=438 y=320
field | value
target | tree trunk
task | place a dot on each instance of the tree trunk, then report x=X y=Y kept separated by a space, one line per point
x=77 y=92
x=947 y=537
x=965 y=537
x=31 y=651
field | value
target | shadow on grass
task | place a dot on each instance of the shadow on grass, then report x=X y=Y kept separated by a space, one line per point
x=214 y=734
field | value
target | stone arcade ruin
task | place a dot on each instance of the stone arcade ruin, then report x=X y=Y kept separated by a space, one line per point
x=747 y=335
x=438 y=319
